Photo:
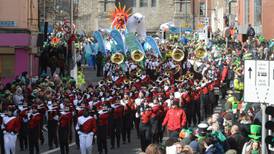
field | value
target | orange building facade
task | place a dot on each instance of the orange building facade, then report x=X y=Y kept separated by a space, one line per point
x=258 y=13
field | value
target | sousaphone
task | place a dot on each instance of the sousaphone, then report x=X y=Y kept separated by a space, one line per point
x=137 y=55
x=117 y=58
x=177 y=54
x=200 y=52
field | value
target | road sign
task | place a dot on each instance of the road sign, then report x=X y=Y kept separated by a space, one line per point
x=259 y=81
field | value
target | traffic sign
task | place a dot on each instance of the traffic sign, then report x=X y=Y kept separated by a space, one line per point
x=259 y=81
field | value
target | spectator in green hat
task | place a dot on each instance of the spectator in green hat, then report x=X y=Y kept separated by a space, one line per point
x=253 y=146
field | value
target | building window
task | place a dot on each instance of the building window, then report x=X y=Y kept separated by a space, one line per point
x=7 y=65
x=181 y=5
x=202 y=9
x=143 y=3
x=247 y=12
x=133 y=3
x=105 y=5
x=153 y=3
x=257 y=12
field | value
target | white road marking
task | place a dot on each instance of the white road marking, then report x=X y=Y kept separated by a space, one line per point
x=57 y=149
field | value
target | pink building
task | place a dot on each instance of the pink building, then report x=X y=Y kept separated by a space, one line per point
x=18 y=37
x=258 y=14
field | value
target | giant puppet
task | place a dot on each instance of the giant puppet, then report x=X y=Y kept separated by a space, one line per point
x=127 y=36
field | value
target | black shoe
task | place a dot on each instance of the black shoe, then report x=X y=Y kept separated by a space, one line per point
x=112 y=147
x=124 y=142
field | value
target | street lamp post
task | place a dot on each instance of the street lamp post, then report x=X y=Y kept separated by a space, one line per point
x=207 y=21
x=73 y=52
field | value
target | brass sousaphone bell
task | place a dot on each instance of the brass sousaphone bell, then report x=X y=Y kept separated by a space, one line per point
x=177 y=54
x=137 y=55
x=200 y=53
x=117 y=58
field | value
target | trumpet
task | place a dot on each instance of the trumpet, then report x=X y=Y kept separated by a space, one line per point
x=117 y=58
x=137 y=55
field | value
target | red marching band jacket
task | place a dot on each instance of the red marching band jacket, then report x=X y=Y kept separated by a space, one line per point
x=185 y=98
x=65 y=119
x=157 y=111
x=103 y=117
x=86 y=125
x=11 y=124
x=118 y=110
x=146 y=116
x=34 y=120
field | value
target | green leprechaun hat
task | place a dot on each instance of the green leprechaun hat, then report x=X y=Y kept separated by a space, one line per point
x=234 y=106
x=255 y=131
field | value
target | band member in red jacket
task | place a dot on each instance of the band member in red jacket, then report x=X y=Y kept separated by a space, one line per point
x=102 y=130
x=127 y=118
x=63 y=130
x=145 y=126
x=175 y=120
x=10 y=126
x=117 y=124
x=34 y=125
x=156 y=120
x=86 y=128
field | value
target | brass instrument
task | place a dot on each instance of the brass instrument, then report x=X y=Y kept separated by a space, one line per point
x=159 y=79
x=101 y=83
x=200 y=53
x=117 y=58
x=138 y=73
x=177 y=69
x=166 y=74
x=137 y=55
x=126 y=81
x=190 y=76
x=177 y=54
x=181 y=78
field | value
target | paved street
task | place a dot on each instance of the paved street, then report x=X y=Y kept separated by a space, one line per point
x=132 y=148
x=129 y=148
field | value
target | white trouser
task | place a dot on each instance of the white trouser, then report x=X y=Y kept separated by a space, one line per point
x=86 y=142
x=9 y=142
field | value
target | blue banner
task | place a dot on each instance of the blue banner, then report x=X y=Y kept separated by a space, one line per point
x=133 y=43
x=117 y=37
x=150 y=40
x=177 y=30
x=101 y=45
